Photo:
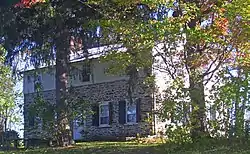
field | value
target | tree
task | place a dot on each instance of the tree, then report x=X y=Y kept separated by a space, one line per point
x=7 y=96
x=7 y=3
x=42 y=32
x=191 y=38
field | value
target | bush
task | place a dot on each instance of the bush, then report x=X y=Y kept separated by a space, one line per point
x=8 y=139
x=178 y=134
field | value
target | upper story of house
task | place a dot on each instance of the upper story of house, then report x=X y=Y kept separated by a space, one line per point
x=81 y=73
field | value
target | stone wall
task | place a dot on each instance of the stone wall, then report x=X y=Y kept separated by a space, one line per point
x=113 y=92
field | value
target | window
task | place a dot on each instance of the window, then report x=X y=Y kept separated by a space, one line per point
x=73 y=74
x=106 y=71
x=28 y=79
x=84 y=74
x=130 y=112
x=104 y=114
x=37 y=82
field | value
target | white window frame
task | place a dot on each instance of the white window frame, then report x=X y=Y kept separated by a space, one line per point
x=76 y=74
x=36 y=81
x=80 y=71
x=103 y=104
x=127 y=104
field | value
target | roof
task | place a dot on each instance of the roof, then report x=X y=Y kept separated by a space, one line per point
x=78 y=56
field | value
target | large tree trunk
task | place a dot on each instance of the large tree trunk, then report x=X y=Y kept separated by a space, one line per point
x=64 y=136
x=239 y=106
x=198 y=116
x=237 y=110
x=196 y=89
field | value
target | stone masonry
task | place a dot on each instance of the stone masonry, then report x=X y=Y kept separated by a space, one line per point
x=114 y=92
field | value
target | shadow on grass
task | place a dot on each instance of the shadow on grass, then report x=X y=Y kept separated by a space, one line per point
x=207 y=147
x=96 y=148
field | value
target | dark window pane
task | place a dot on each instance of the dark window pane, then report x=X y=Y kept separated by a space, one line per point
x=131 y=118
x=104 y=120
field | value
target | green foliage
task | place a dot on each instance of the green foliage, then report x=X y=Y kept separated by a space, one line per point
x=44 y=112
x=178 y=134
x=35 y=31
x=211 y=146
x=192 y=41
x=234 y=95
x=8 y=3
x=8 y=95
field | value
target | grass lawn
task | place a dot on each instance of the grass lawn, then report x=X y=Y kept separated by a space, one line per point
x=136 y=148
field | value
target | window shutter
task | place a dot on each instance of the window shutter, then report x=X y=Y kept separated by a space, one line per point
x=138 y=110
x=95 y=116
x=110 y=113
x=122 y=112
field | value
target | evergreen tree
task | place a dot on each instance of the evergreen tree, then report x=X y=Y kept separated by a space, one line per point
x=41 y=31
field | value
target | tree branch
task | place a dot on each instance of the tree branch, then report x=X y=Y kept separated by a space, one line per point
x=167 y=64
x=221 y=59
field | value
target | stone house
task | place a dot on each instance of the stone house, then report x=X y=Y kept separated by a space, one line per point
x=114 y=117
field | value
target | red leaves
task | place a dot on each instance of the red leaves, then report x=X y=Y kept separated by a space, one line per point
x=75 y=43
x=28 y=3
x=222 y=25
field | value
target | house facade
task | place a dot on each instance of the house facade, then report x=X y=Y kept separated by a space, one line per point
x=114 y=116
